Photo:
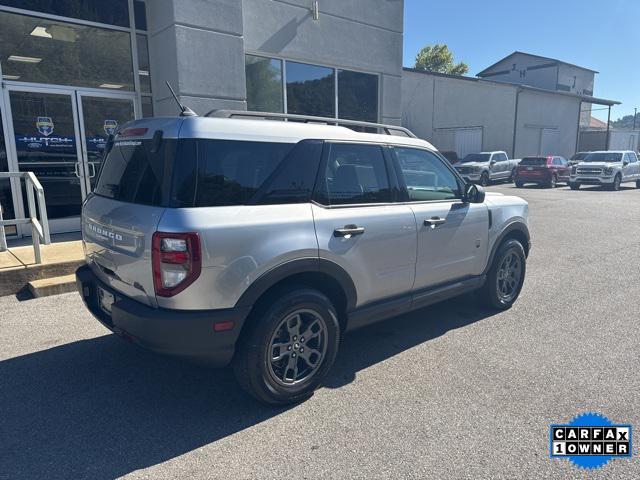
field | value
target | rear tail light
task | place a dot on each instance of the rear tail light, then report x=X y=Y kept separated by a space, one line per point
x=176 y=262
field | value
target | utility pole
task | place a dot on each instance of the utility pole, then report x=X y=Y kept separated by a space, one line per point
x=635 y=114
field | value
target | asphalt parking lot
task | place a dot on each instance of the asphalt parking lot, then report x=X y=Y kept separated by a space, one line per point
x=453 y=391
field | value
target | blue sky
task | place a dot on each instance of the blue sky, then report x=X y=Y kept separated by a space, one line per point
x=603 y=36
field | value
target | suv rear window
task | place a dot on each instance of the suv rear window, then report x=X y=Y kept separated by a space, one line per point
x=534 y=162
x=207 y=173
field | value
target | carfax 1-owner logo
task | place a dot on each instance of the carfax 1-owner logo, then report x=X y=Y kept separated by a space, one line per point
x=590 y=440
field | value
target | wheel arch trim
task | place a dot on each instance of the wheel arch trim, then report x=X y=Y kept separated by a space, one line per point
x=517 y=227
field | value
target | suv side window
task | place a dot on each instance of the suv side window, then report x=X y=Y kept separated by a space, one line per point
x=354 y=174
x=632 y=157
x=425 y=175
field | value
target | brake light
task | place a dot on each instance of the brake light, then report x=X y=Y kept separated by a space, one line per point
x=133 y=132
x=176 y=261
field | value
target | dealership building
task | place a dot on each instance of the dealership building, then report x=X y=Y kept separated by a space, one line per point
x=74 y=70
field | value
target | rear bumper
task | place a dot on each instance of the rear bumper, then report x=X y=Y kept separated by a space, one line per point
x=184 y=333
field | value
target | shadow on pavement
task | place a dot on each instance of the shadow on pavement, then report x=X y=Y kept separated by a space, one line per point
x=102 y=408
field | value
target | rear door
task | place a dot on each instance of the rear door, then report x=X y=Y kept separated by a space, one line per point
x=452 y=234
x=358 y=225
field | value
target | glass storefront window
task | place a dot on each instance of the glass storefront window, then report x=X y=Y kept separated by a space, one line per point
x=264 y=84
x=144 y=70
x=310 y=90
x=5 y=187
x=46 y=51
x=147 y=107
x=140 y=14
x=113 y=12
x=357 y=96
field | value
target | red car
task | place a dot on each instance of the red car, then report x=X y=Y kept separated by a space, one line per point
x=546 y=171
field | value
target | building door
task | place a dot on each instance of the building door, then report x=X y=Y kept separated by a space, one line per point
x=59 y=134
x=468 y=140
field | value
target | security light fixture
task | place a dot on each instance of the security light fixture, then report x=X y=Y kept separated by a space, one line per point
x=11 y=77
x=315 y=10
x=144 y=73
x=19 y=58
x=40 y=31
x=111 y=85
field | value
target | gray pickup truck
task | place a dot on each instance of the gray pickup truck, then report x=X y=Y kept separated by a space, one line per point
x=486 y=167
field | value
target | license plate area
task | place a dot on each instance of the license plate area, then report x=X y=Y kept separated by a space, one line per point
x=105 y=300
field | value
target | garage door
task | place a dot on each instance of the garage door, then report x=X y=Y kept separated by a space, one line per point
x=468 y=140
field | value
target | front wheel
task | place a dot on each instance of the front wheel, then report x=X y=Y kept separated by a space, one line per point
x=506 y=276
x=615 y=186
x=484 y=179
x=574 y=186
x=289 y=348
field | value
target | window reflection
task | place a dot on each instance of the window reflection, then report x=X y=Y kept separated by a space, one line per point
x=113 y=12
x=46 y=51
x=310 y=90
x=144 y=70
x=5 y=187
x=357 y=96
x=264 y=84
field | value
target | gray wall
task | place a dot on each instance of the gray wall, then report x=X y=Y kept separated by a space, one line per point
x=199 y=45
x=554 y=113
x=356 y=34
x=547 y=122
x=431 y=103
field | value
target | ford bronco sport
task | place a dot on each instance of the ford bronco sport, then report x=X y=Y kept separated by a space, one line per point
x=260 y=243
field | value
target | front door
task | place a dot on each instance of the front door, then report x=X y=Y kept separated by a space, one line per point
x=59 y=134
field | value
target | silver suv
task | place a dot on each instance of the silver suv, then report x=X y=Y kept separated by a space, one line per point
x=259 y=243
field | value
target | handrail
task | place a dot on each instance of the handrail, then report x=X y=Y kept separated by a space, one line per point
x=387 y=129
x=39 y=228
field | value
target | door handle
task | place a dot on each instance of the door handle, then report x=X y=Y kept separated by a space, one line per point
x=348 y=230
x=92 y=169
x=75 y=168
x=433 y=222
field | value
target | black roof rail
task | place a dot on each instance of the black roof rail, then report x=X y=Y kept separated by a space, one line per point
x=380 y=127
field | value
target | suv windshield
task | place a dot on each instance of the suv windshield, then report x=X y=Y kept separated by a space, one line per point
x=534 y=161
x=604 y=157
x=476 y=157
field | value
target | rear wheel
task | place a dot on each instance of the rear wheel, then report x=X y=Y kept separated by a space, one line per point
x=289 y=348
x=519 y=184
x=574 y=186
x=506 y=276
x=552 y=182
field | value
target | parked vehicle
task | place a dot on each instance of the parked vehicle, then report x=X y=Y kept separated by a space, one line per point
x=451 y=156
x=486 y=167
x=577 y=158
x=608 y=169
x=260 y=243
x=546 y=171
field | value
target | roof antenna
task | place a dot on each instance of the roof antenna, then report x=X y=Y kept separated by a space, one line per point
x=184 y=110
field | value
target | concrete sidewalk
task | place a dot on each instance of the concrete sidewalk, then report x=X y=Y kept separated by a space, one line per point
x=18 y=267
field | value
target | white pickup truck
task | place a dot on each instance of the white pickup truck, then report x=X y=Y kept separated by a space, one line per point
x=487 y=167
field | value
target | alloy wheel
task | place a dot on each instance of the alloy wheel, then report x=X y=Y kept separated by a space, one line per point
x=509 y=276
x=297 y=347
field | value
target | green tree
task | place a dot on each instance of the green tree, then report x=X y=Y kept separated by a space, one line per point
x=438 y=58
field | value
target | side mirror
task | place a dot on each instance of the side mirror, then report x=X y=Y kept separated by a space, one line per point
x=473 y=193
x=492 y=162
x=625 y=163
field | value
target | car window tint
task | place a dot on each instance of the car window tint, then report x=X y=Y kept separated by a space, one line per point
x=425 y=175
x=231 y=172
x=355 y=174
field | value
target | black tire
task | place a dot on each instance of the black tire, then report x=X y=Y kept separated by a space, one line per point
x=519 y=184
x=484 y=179
x=254 y=367
x=490 y=293
x=637 y=183
x=574 y=186
x=615 y=186
x=553 y=181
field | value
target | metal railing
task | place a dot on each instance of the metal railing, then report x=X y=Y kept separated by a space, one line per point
x=379 y=127
x=39 y=228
